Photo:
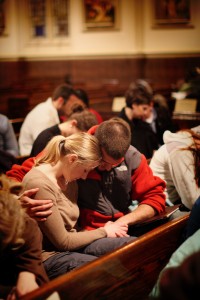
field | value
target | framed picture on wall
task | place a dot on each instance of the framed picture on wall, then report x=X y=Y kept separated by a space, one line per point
x=100 y=14
x=3 y=18
x=172 y=13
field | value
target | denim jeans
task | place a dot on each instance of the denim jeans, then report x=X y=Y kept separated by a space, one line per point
x=63 y=262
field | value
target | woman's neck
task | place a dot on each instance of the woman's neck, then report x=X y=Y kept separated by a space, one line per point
x=54 y=174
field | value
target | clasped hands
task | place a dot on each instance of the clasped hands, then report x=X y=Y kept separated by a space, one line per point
x=116 y=229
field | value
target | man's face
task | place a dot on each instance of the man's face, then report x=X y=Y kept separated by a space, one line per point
x=67 y=108
x=107 y=162
x=147 y=111
x=141 y=111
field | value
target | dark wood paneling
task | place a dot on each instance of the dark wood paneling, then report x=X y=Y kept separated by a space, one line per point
x=164 y=72
x=102 y=78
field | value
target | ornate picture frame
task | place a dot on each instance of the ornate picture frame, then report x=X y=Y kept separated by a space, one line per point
x=172 y=14
x=100 y=15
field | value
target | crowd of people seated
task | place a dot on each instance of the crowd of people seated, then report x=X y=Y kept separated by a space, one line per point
x=78 y=121
x=64 y=101
x=84 y=174
x=47 y=114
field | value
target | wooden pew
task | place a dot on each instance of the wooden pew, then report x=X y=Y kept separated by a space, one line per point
x=17 y=123
x=186 y=120
x=130 y=272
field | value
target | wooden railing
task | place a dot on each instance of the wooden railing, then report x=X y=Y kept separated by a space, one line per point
x=186 y=120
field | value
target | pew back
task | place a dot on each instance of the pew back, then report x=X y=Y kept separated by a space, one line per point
x=128 y=273
x=16 y=124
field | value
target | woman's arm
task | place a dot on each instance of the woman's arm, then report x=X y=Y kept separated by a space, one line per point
x=25 y=283
x=35 y=208
x=59 y=228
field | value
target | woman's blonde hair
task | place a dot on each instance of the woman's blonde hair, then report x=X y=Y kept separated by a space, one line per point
x=84 y=145
x=12 y=216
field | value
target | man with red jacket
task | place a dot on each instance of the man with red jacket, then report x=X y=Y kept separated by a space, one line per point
x=108 y=191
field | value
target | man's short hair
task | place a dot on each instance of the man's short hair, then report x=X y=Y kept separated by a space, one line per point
x=137 y=94
x=64 y=91
x=85 y=119
x=114 y=136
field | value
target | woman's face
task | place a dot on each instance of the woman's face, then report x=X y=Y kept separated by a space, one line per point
x=74 y=170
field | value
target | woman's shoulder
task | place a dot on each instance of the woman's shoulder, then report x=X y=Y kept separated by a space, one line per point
x=35 y=178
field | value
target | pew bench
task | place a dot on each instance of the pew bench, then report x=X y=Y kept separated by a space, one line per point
x=17 y=124
x=130 y=272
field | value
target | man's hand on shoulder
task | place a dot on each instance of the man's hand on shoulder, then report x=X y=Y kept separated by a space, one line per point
x=36 y=209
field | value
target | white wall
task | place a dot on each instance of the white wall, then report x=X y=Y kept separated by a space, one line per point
x=180 y=40
x=135 y=36
x=9 y=42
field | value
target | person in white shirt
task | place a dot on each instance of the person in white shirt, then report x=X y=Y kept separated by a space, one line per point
x=177 y=162
x=47 y=114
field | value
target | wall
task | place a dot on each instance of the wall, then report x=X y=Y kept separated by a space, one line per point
x=99 y=61
x=135 y=36
x=173 y=40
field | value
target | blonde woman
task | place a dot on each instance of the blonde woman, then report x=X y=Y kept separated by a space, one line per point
x=21 y=268
x=64 y=160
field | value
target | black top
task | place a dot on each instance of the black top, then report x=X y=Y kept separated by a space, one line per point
x=163 y=122
x=43 y=138
x=142 y=136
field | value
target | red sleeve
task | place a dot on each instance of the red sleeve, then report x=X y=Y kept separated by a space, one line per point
x=147 y=188
x=92 y=129
x=98 y=116
x=17 y=172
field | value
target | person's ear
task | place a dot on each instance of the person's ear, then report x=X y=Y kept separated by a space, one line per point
x=72 y=158
x=60 y=102
x=73 y=123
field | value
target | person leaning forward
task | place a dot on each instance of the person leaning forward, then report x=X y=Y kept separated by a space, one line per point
x=122 y=176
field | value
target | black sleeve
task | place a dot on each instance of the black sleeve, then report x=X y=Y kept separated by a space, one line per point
x=43 y=138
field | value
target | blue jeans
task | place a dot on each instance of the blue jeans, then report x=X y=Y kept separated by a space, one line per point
x=106 y=245
x=63 y=262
